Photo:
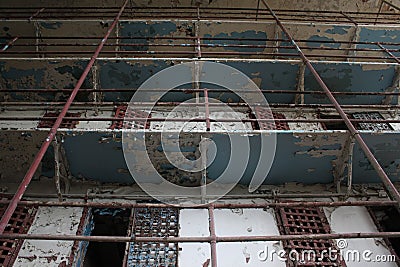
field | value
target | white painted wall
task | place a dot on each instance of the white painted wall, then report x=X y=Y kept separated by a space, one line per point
x=229 y=222
x=49 y=220
x=357 y=220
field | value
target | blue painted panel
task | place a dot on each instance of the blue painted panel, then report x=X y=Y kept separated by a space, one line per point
x=96 y=156
x=391 y=35
x=344 y=77
x=250 y=34
x=386 y=149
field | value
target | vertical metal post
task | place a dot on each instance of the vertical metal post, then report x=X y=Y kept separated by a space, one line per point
x=213 y=235
x=392 y=191
x=39 y=156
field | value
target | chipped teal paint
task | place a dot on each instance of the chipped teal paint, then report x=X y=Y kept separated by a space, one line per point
x=343 y=77
x=122 y=74
x=50 y=25
x=94 y=160
x=235 y=36
x=340 y=30
x=144 y=29
x=294 y=161
x=289 y=165
x=378 y=35
x=385 y=148
x=318 y=38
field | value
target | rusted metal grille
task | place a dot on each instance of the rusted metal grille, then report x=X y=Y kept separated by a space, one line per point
x=371 y=126
x=154 y=222
x=299 y=221
x=265 y=113
x=70 y=124
x=121 y=113
x=19 y=223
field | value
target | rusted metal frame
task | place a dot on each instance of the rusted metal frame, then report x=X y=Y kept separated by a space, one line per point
x=57 y=172
x=129 y=233
x=207 y=239
x=389 y=53
x=97 y=94
x=213 y=235
x=39 y=156
x=258 y=8
x=349 y=18
x=79 y=232
x=251 y=9
x=299 y=97
x=391 y=189
x=217 y=205
x=205 y=53
x=391 y=5
x=207 y=110
x=36 y=13
x=259 y=194
x=204 y=38
x=185 y=90
x=385 y=239
x=350 y=49
x=204 y=119
x=9 y=44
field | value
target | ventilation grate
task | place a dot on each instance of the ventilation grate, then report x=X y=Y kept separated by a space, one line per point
x=300 y=221
x=69 y=124
x=154 y=222
x=121 y=113
x=265 y=113
x=19 y=223
x=370 y=126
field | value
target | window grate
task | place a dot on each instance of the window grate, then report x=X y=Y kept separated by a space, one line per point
x=19 y=223
x=69 y=124
x=121 y=112
x=265 y=113
x=154 y=222
x=370 y=126
x=300 y=221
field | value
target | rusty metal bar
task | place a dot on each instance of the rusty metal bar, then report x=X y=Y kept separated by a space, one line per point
x=36 y=13
x=394 y=194
x=213 y=235
x=391 y=5
x=123 y=239
x=9 y=44
x=389 y=53
x=189 y=90
x=205 y=119
x=207 y=107
x=369 y=203
x=39 y=156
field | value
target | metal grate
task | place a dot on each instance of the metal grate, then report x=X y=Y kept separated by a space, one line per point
x=121 y=113
x=70 y=124
x=19 y=223
x=371 y=126
x=154 y=222
x=265 y=113
x=300 y=221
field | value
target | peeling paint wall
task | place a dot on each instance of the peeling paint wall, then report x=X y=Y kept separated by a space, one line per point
x=50 y=220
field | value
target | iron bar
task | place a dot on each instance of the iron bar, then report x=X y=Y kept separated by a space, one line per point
x=9 y=44
x=217 y=205
x=208 y=239
x=36 y=13
x=190 y=90
x=207 y=113
x=213 y=235
x=39 y=156
x=389 y=53
x=204 y=119
x=394 y=194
